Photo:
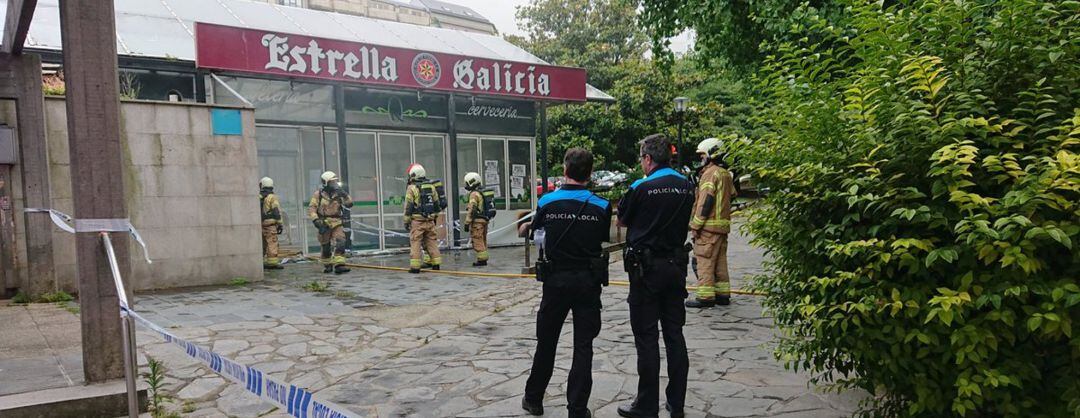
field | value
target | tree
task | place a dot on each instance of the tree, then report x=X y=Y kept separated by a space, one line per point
x=597 y=35
x=925 y=204
x=732 y=31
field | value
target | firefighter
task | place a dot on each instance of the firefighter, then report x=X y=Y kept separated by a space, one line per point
x=480 y=210
x=326 y=211
x=270 y=210
x=710 y=225
x=424 y=200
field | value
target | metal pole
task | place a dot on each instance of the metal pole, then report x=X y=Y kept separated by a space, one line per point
x=128 y=329
x=678 y=155
x=454 y=215
x=543 y=148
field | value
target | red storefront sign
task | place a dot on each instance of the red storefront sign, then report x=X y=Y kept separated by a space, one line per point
x=284 y=54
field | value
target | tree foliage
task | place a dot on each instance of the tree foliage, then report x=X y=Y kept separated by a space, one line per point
x=732 y=31
x=605 y=38
x=925 y=213
x=598 y=35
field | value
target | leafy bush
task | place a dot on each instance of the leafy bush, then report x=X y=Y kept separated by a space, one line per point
x=55 y=297
x=925 y=213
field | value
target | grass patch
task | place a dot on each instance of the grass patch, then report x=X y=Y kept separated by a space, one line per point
x=70 y=307
x=316 y=286
x=20 y=298
x=55 y=297
x=238 y=281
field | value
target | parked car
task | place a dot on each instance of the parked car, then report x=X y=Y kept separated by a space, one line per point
x=606 y=180
x=540 y=186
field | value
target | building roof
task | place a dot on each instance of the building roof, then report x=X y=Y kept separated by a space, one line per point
x=166 y=29
x=442 y=7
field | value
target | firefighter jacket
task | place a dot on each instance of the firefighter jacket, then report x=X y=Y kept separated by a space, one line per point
x=421 y=204
x=474 y=210
x=712 y=205
x=270 y=208
x=328 y=206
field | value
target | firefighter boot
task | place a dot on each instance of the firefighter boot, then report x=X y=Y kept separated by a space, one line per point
x=479 y=263
x=341 y=269
x=722 y=300
x=329 y=268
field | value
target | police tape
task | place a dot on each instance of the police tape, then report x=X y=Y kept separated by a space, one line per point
x=63 y=220
x=297 y=401
x=294 y=400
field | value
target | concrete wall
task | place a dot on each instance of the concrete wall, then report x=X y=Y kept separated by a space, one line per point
x=191 y=194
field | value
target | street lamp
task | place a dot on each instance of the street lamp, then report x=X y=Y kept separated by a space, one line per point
x=680 y=110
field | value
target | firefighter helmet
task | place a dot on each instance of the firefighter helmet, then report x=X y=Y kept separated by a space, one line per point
x=711 y=147
x=329 y=177
x=266 y=183
x=416 y=171
x=472 y=180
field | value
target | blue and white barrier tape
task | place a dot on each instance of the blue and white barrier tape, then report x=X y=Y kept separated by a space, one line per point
x=296 y=401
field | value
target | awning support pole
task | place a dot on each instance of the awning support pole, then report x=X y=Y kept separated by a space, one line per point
x=543 y=148
x=455 y=212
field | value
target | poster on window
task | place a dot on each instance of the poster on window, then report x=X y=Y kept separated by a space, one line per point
x=491 y=166
x=517 y=182
x=491 y=178
x=518 y=170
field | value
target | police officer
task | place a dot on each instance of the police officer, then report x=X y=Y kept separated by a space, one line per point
x=270 y=210
x=655 y=210
x=569 y=226
x=422 y=207
x=710 y=225
x=326 y=210
x=479 y=211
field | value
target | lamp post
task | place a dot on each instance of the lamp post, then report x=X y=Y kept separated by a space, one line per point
x=680 y=110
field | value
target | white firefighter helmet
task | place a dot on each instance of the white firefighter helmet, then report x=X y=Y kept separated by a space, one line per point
x=711 y=147
x=416 y=171
x=472 y=180
x=329 y=177
x=266 y=183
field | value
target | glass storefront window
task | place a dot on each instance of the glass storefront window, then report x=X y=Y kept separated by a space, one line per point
x=279 y=158
x=312 y=152
x=363 y=186
x=468 y=161
x=395 y=157
x=493 y=164
x=331 y=150
x=522 y=184
x=281 y=100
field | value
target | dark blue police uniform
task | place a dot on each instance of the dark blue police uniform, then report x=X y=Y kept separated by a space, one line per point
x=582 y=220
x=656 y=211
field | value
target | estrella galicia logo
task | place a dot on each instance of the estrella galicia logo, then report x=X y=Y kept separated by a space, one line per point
x=426 y=69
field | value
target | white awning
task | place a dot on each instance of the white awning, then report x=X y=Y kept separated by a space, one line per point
x=165 y=29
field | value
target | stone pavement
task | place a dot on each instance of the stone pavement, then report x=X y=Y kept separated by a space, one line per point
x=390 y=344
x=40 y=348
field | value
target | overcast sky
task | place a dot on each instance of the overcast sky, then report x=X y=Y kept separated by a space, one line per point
x=501 y=12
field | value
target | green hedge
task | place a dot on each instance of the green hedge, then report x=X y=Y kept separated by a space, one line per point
x=924 y=223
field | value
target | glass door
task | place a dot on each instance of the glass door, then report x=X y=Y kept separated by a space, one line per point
x=429 y=151
x=279 y=159
x=395 y=156
x=363 y=184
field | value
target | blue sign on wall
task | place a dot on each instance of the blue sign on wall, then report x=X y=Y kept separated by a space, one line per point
x=226 y=122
